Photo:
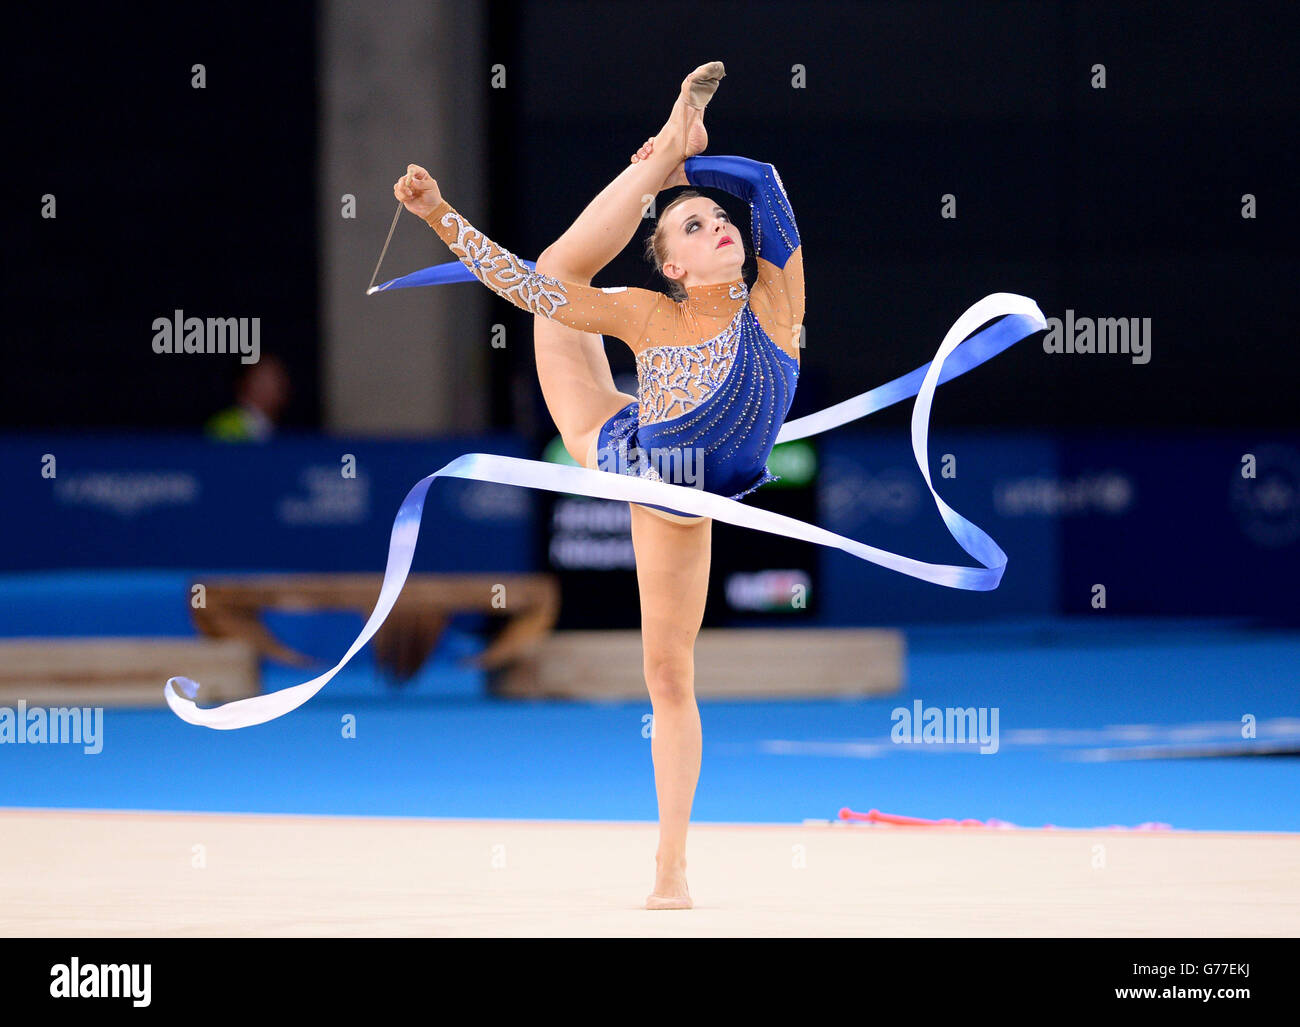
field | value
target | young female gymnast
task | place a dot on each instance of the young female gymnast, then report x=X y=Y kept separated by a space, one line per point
x=717 y=364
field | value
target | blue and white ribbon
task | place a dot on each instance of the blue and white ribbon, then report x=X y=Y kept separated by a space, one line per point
x=1018 y=317
x=439 y=274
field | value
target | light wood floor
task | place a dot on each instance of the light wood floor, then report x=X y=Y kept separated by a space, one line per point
x=71 y=873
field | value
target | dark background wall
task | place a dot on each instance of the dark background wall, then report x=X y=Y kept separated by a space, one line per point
x=1122 y=202
x=168 y=197
x=1115 y=202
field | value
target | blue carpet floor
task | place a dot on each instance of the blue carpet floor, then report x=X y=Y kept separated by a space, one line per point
x=1067 y=696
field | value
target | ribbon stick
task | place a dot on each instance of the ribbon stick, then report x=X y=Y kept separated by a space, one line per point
x=1018 y=317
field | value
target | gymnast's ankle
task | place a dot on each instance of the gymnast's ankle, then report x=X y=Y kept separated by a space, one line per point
x=675 y=863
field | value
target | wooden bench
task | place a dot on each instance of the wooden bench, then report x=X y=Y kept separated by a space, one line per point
x=123 y=671
x=793 y=663
x=529 y=605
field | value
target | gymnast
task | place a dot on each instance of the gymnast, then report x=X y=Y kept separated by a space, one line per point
x=717 y=364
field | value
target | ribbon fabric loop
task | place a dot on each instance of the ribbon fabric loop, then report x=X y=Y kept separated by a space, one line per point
x=960 y=351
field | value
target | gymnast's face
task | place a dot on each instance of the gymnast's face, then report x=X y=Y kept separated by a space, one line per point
x=703 y=246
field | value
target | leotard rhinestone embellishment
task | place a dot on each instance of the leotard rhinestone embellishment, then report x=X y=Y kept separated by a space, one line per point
x=503 y=272
x=672 y=380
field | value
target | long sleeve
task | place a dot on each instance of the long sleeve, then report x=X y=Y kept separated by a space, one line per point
x=776 y=236
x=620 y=312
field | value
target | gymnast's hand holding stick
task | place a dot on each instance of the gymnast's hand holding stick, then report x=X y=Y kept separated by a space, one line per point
x=417 y=191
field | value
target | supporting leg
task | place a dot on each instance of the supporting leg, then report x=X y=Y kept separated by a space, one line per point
x=672 y=566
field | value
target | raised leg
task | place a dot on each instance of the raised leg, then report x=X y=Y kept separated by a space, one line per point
x=576 y=381
x=571 y=365
x=672 y=567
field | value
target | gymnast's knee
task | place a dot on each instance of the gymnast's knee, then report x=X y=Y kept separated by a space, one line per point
x=670 y=681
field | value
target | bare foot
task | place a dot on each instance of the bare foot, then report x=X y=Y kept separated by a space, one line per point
x=670 y=888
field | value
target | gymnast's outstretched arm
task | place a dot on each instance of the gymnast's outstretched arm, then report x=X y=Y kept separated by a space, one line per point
x=776 y=236
x=620 y=312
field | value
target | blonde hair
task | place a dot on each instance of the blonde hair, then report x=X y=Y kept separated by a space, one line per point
x=656 y=249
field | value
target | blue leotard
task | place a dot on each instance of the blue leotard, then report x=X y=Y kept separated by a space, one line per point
x=714 y=385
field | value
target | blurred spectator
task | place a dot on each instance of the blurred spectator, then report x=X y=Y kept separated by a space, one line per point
x=261 y=392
